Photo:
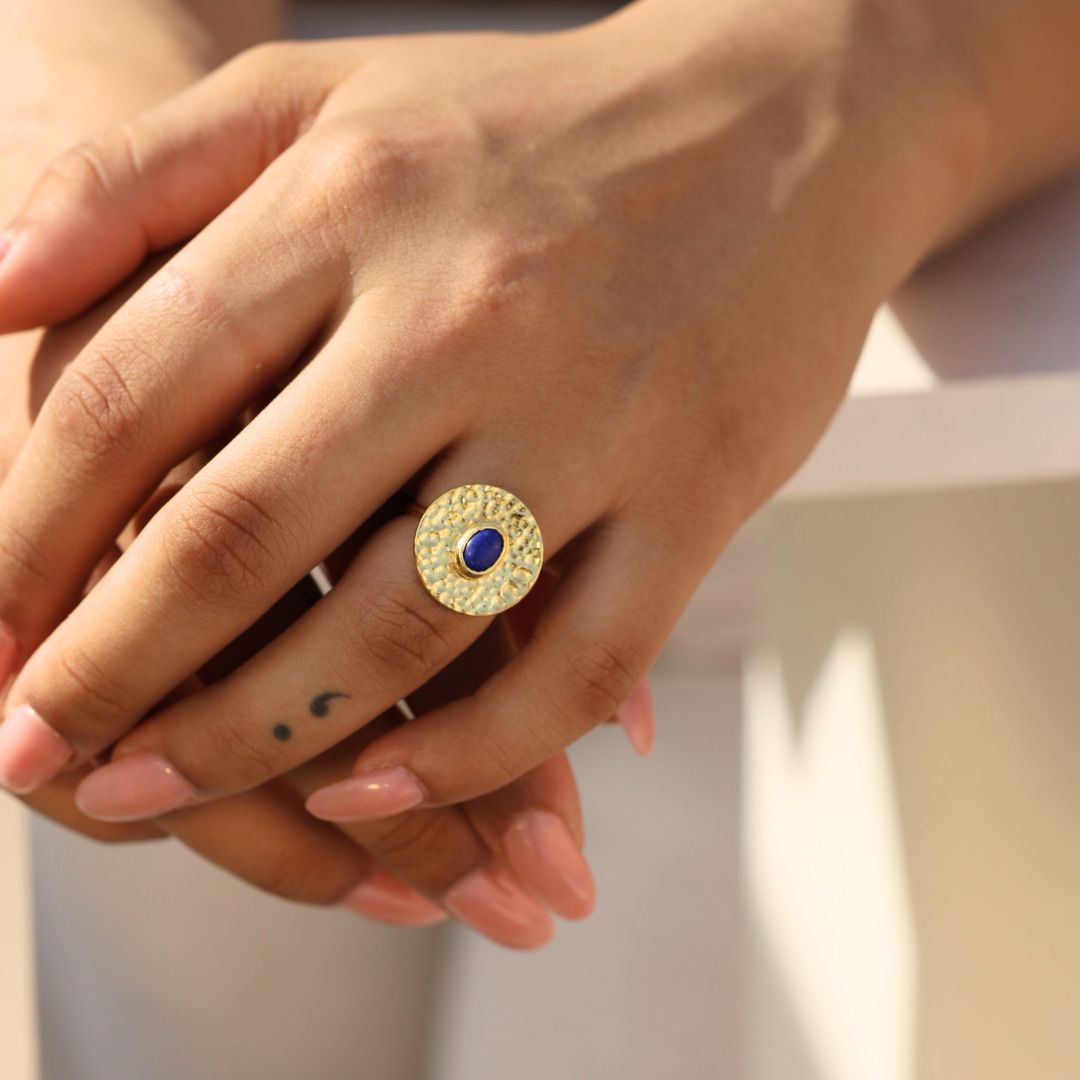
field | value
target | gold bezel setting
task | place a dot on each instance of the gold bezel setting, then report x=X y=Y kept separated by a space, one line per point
x=461 y=566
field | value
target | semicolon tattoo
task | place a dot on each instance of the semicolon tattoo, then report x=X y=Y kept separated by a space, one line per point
x=282 y=732
x=320 y=704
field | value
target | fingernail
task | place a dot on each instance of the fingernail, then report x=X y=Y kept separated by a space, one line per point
x=31 y=753
x=9 y=652
x=137 y=786
x=388 y=899
x=638 y=718
x=492 y=902
x=544 y=855
x=376 y=794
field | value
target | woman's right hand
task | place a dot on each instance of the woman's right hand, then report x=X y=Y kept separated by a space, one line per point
x=475 y=859
x=262 y=836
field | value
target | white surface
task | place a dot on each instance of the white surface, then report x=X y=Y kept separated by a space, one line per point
x=18 y=1020
x=972 y=374
x=156 y=966
x=825 y=869
x=650 y=987
x=913 y=789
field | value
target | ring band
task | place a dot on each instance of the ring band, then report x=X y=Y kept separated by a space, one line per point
x=478 y=549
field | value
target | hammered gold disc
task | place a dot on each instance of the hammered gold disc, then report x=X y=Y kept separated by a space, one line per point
x=447 y=523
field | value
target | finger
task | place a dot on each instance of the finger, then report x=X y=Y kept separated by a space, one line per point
x=180 y=359
x=637 y=715
x=591 y=648
x=377 y=636
x=440 y=854
x=150 y=183
x=384 y=897
x=262 y=838
x=535 y=824
x=224 y=550
x=372 y=640
x=56 y=801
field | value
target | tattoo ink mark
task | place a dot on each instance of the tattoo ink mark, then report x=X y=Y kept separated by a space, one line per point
x=320 y=704
x=282 y=732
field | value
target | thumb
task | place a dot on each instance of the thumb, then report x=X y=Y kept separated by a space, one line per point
x=103 y=206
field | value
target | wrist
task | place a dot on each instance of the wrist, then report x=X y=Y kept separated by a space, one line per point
x=858 y=109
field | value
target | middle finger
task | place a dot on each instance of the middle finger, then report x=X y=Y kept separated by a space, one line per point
x=220 y=554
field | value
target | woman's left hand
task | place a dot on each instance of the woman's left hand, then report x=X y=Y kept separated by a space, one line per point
x=501 y=262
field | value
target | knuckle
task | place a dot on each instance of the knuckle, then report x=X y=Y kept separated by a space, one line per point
x=221 y=541
x=100 y=697
x=421 y=842
x=598 y=678
x=508 y=276
x=299 y=873
x=97 y=168
x=21 y=557
x=193 y=309
x=360 y=170
x=401 y=636
x=94 y=408
x=507 y=760
x=244 y=747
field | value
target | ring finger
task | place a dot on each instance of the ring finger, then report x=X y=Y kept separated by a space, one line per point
x=376 y=637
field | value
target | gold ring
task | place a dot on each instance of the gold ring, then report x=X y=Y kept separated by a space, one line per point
x=478 y=549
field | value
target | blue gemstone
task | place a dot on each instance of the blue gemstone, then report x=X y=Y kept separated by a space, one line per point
x=482 y=550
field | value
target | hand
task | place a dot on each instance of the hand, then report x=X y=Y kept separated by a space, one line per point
x=527 y=833
x=263 y=835
x=502 y=261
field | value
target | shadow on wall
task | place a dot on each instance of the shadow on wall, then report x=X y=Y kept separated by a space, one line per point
x=970 y=600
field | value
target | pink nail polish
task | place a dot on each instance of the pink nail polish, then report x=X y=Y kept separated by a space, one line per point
x=137 y=786
x=388 y=899
x=9 y=654
x=368 y=796
x=638 y=718
x=31 y=752
x=492 y=902
x=544 y=855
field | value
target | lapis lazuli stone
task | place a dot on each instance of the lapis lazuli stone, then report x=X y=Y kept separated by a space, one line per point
x=482 y=550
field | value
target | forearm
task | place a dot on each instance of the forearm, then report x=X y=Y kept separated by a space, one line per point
x=1022 y=60
x=944 y=111
x=71 y=69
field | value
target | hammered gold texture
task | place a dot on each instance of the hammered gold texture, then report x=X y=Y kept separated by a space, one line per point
x=458 y=511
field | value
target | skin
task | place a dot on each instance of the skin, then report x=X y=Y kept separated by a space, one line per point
x=687 y=213
x=262 y=836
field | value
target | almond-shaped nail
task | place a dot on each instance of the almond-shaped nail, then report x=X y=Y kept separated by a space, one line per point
x=492 y=902
x=544 y=855
x=31 y=752
x=388 y=899
x=638 y=718
x=137 y=786
x=368 y=796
